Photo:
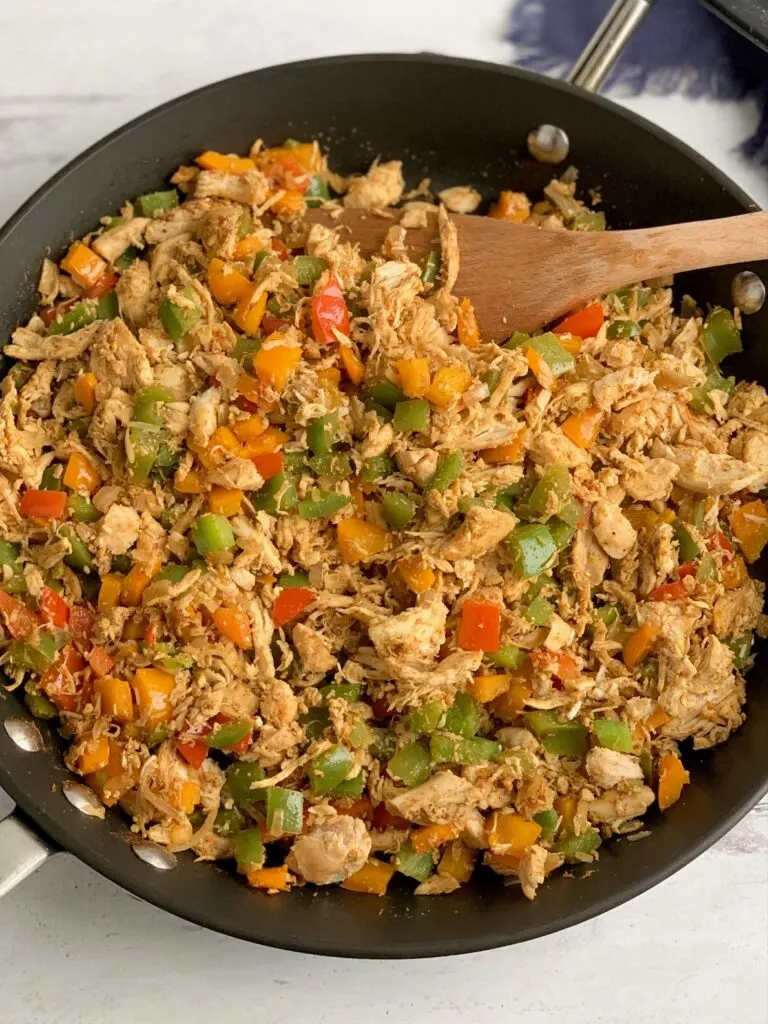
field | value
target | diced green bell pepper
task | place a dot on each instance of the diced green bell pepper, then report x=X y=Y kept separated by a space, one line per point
x=329 y=769
x=39 y=705
x=240 y=776
x=277 y=495
x=157 y=735
x=397 y=510
x=412 y=416
x=212 y=534
x=408 y=862
x=448 y=472
x=447 y=748
x=589 y=220
x=516 y=340
x=333 y=466
x=550 y=492
x=345 y=691
x=121 y=564
x=152 y=203
x=9 y=554
x=613 y=734
x=285 y=811
x=491 y=380
x=463 y=716
x=741 y=646
x=530 y=548
x=145 y=445
x=689 y=549
x=426 y=718
x=570 y=511
x=562 y=533
x=321 y=433
x=83 y=313
x=82 y=510
x=571 y=845
x=383 y=744
x=51 y=478
x=386 y=393
x=719 y=336
x=327 y=504
x=700 y=397
x=352 y=788
x=145 y=403
x=230 y=734
x=707 y=568
x=558 y=736
x=430 y=267
x=548 y=821
x=307 y=269
x=249 y=849
x=245 y=349
x=539 y=611
x=558 y=359
x=623 y=329
x=361 y=735
x=126 y=258
x=172 y=573
x=79 y=557
x=286 y=580
x=411 y=764
x=37 y=656
x=508 y=656
x=228 y=822
x=179 y=318
x=608 y=614
x=377 y=467
x=317 y=193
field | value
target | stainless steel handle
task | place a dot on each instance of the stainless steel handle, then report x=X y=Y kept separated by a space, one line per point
x=608 y=42
x=22 y=851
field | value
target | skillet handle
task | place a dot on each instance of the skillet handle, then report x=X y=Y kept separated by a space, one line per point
x=608 y=42
x=22 y=851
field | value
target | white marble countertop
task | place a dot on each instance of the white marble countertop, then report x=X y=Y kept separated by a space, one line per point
x=75 y=949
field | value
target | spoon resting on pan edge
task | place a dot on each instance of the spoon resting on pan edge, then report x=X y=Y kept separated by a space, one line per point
x=520 y=277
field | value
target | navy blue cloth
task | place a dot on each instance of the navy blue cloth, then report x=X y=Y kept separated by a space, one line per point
x=680 y=47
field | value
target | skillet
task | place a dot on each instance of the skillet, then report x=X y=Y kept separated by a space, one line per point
x=461 y=122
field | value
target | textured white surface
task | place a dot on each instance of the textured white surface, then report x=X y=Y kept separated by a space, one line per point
x=74 y=949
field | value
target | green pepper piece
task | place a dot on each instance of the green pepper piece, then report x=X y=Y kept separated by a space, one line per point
x=539 y=611
x=79 y=557
x=180 y=317
x=36 y=656
x=430 y=267
x=385 y=393
x=321 y=433
x=285 y=811
x=326 y=505
x=286 y=580
x=152 y=203
x=9 y=552
x=277 y=495
x=145 y=445
x=51 y=479
x=741 y=646
x=330 y=769
x=361 y=735
x=558 y=736
x=377 y=467
x=39 y=705
x=562 y=534
x=352 y=788
x=173 y=573
x=156 y=736
x=548 y=821
x=333 y=466
x=126 y=258
x=418 y=866
x=463 y=717
x=240 y=776
x=700 y=397
x=211 y=534
x=448 y=472
x=230 y=734
x=145 y=403
x=315 y=722
x=623 y=329
x=707 y=569
x=307 y=269
x=121 y=564
x=81 y=509
x=317 y=193
x=608 y=614
x=516 y=340
x=720 y=336
x=558 y=359
x=412 y=416
x=550 y=492
x=245 y=349
x=530 y=549
x=698 y=514
x=446 y=748
x=167 y=462
x=411 y=764
x=74 y=318
x=397 y=510
x=571 y=845
x=107 y=307
x=613 y=734
x=426 y=718
x=491 y=380
x=345 y=691
x=508 y=656
x=384 y=743
x=589 y=220
x=228 y=822
x=689 y=549
x=249 y=849
x=570 y=511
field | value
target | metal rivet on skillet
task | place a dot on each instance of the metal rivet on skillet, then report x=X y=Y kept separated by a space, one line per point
x=548 y=144
x=83 y=799
x=748 y=292
x=154 y=855
x=25 y=734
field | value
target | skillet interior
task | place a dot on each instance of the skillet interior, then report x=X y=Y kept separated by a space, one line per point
x=458 y=122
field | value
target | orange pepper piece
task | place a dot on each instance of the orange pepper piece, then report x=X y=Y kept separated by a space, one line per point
x=81 y=474
x=469 y=332
x=226 y=283
x=83 y=265
x=583 y=427
x=672 y=778
x=210 y=160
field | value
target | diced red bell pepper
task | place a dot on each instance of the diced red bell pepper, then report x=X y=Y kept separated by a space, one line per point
x=381 y=708
x=50 y=313
x=669 y=592
x=719 y=542
x=105 y=284
x=559 y=664
x=81 y=619
x=286 y=166
x=291 y=602
x=384 y=820
x=329 y=311
x=584 y=324
x=57 y=681
x=150 y=636
x=241 y=747
x=271 y=323
x=53 y=608
x=19 y=620
x=43 y=504
x=269 y=464
x=282 y=251
x=480 y=626
x=100 y=661
x=688 y=569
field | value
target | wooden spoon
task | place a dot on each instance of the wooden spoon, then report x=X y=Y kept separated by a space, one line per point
x=520 y=277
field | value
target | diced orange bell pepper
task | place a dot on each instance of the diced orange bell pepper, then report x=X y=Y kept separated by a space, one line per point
x=185 y=795
x=93 y=755
x=360 y=541
x=222 y=440
x=43 y=504
x=250 y=309
x=749 y=523
x=58 y=682
x=656 y=719
x=153 y=688
x=672 y=778
x=225 y=501
x=566 y=806
x=541 y=369
x=268 y=441
x=638 y=646
x=485 y=688
x=269 y=878
x=458 y=861
x=330 y=376
x=234 y=625
x=250 y=387
x=210 y=160
x=105 y=284
x=669 y=592
x=100 y=661
x=190 y=483
x=249 y=429
x=84 y=391
x=133 y=586
x=469 y=332
x=734 y=573
x=479 y=626
x=17 y=618
x=506 y=454
x=83 y=265
x=352 y=363
x=248 y=246
x=116 y=698
x=511 y=703
x=514 y=207
x=432 y=836
x=448 y=385
x=290 y=204
x=571 y=343
x=114 y=780
x=275 y=363
x=269 y=464
x=414 y=376
x=361 y=808
x=373 y=877
x=583 y=427
x=81 y=474
x=306 y=155
x=417 y=576
x=557 y=663
x=512 y=832
x=584 y=324
x=226 y=283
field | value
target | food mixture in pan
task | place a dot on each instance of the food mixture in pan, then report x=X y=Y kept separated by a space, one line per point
x=315 y=578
